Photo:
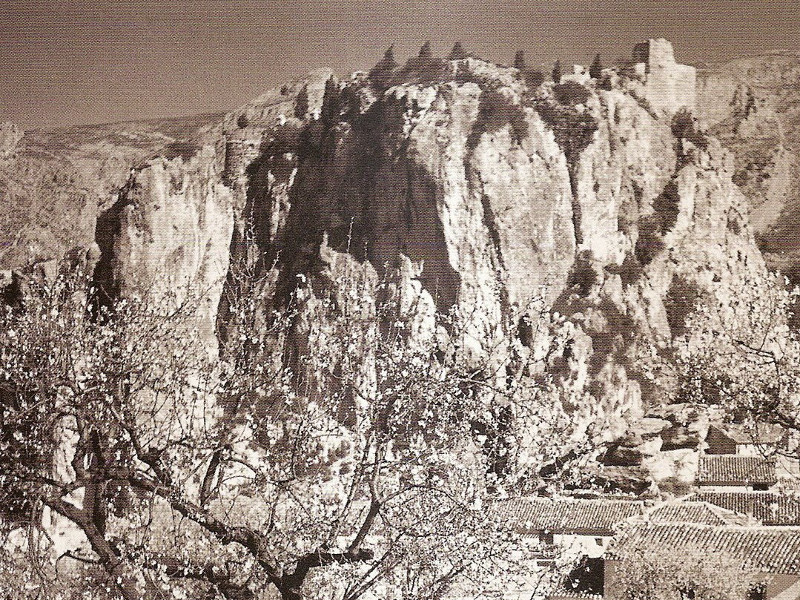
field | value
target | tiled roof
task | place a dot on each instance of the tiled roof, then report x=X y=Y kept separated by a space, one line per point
x=690 y=512
x=732 y=470
x=767 y=507
x=770 y=550
x=568 y=515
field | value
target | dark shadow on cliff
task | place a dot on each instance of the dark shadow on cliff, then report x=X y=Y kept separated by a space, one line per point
x=107 y=230
x=357 y=185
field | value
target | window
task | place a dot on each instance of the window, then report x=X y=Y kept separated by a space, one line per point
x=760 y=487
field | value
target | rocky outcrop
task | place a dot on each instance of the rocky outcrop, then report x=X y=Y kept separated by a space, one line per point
x=167 y=236
x=10 y=135
x=500 y=195
x=463 y=192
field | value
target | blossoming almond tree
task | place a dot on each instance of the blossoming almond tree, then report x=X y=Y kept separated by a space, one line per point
x=363 y=466
x=741 y=353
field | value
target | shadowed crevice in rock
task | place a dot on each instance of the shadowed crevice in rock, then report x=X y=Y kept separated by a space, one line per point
x=258 y=231
x=577 y=211
x=108 y=228
x=359 y=188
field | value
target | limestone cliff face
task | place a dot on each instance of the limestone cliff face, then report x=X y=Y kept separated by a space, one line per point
x=468 y=191
x=486 y=195
x=167 y=236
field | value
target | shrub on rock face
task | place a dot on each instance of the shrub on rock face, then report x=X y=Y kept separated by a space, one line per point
x=556 y=74
x=495 y=112
x=571 y=93
x=684 y=127
x=533 y=79
x=681 y=300
x=573 y=129
x=425 y=68
x=666 y=207
x=425 y=51
x=381 y=74
x=629 y=271
x=682 y=122
x=583 y=276
x=596 y=69
x=649 y=244
x=301 y=103
x=331 y=103
x=242 y=121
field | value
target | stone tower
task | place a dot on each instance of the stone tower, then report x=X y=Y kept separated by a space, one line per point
x=669 y=86
x=242 y=147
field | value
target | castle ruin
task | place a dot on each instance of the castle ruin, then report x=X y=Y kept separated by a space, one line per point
x=668 y=86
x=241 y=148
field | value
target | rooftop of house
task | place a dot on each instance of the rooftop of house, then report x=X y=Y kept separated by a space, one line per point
x=570 y=516
x=770 y=550
x=756 y=433
x=698 y=512
x=728 y=469
x=768 y=507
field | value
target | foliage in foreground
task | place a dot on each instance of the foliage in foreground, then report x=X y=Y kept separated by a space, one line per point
x=366 y=469
x=741 y=354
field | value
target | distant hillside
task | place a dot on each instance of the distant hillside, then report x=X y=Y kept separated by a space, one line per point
x=753 y=107
x=56 y=182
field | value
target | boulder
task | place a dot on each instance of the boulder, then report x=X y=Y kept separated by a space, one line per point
x=623 y=456
x=651 y=426
x=680 y=437
x=10 y=135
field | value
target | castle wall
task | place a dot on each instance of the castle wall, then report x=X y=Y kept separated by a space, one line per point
x=239 y=153
x=669 y=86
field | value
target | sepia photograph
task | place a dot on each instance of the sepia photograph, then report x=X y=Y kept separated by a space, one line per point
x=399 y=300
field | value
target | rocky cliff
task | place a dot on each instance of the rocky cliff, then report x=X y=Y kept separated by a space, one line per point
x=464 y=189
x=167 y=236
x=500 y=194
x=55 y=183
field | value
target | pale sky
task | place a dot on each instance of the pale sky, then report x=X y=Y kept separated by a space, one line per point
x=65 y=62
